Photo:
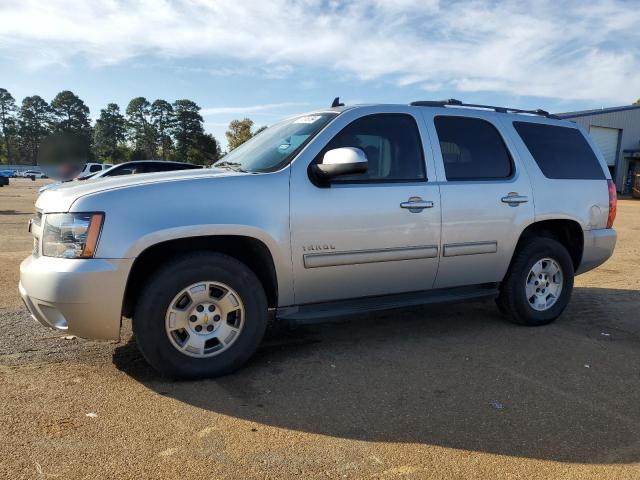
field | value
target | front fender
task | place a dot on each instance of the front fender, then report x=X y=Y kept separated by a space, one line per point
x=140 y=216
x=280 y=256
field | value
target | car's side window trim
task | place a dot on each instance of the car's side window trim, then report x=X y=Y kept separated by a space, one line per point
x=513 y=166
x=339 y=182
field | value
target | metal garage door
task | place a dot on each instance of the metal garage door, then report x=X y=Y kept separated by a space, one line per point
x=607 y=141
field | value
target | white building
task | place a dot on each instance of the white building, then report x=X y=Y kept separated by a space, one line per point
x=617 y=132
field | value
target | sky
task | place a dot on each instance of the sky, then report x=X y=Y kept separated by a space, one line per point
x=271 y=59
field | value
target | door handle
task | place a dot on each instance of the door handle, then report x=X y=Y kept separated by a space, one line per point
x=416 y=204
x=513 y=199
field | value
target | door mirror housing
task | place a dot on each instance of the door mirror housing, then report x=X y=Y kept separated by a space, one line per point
x=341 y=161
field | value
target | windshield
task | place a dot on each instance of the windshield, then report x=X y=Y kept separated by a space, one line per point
x=276 y=146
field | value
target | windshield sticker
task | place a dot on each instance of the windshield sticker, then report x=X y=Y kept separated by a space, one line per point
x=307 y=119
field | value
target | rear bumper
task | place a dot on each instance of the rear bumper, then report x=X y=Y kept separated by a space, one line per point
x=598 y=247
x=80 y=296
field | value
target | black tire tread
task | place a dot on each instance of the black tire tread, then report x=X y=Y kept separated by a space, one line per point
x=154 y=346
x=510 y=301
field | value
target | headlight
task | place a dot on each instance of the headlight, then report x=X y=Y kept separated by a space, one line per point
x=71 y=235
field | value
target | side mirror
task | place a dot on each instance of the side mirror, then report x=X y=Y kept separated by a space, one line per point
x=341 y=161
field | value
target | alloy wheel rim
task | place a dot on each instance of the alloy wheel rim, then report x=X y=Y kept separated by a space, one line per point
x=544 y=284
x=204 y=319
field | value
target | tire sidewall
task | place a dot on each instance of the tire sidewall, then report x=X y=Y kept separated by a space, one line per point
x=150 y=317
x=543 y=248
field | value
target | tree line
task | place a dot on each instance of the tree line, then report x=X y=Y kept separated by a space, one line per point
x=145 y=130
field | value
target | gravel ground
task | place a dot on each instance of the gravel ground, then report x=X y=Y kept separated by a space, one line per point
x=429 y=392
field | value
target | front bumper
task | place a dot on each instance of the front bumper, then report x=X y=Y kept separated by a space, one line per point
x=80 y=296
x=598 y=247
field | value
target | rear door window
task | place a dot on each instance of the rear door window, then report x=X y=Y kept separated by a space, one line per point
x=472 y=149
x=560 y=152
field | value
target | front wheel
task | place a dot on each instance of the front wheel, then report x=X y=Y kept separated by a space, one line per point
x=202 y=315
x=538 y=285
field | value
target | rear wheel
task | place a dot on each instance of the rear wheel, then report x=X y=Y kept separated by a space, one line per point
x=202 y=315
x=538 y=285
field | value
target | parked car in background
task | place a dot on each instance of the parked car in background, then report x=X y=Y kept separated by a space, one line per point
x=8 y=173
x=92 y=168
x=132 y=168
x=142 y=166
x=339 y=211
x=33 y=174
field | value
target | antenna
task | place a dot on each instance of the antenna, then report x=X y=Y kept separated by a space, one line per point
x=336 y=103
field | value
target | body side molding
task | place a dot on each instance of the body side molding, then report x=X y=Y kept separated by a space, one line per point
x=332 y=259
x=455 y=249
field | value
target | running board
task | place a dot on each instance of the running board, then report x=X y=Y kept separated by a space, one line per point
x=317 y=312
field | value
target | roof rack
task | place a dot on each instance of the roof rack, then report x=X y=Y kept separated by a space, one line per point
x=457 y=103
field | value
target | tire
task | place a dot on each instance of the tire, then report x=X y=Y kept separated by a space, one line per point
x=151 y=319
x=514 y=301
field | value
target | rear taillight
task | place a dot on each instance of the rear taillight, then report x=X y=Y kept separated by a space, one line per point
x=613 y=203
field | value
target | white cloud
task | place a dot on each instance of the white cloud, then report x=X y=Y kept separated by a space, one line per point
x=207 y=111
x=556 y=49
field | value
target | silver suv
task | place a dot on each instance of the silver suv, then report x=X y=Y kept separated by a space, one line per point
x=344 y=210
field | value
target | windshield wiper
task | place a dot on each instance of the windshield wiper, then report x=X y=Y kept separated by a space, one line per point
x=236 y=167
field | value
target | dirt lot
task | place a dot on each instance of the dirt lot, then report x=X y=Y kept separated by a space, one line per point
x=437 y=392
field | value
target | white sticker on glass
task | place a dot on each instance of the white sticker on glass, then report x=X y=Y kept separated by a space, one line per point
x=307 y=119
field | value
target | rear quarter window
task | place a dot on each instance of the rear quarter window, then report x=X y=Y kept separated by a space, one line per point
x=560 y=152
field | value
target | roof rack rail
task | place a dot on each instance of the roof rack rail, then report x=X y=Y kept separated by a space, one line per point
x=457 y=103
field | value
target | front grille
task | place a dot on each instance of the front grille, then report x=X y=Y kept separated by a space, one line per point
x=36 y=247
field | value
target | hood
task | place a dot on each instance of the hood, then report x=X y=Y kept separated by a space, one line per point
x=59 y=198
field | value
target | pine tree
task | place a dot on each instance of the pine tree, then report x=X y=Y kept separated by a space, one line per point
x=163 y=119
x=141 y=131
x=7 y=122
x=34 y=120
x=109 y=134
x=188 y=129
